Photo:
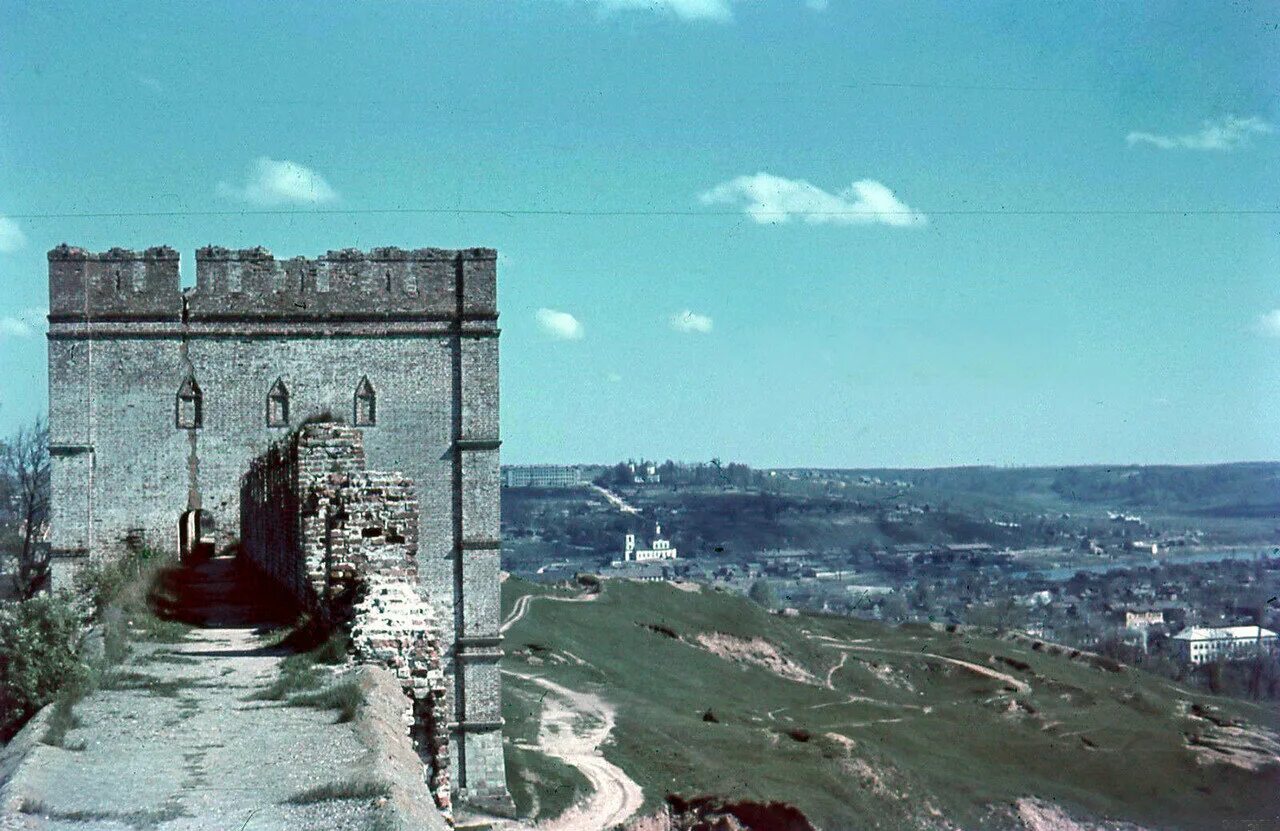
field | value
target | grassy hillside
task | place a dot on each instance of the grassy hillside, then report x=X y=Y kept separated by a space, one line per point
x=862 y=725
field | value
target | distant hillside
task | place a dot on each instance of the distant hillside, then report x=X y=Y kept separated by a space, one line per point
x=1247 y=489
x=859 y=725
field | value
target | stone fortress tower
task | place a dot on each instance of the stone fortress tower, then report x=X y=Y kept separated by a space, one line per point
x=160 y=397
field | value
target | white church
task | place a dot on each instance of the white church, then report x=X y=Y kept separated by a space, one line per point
x=659 y=549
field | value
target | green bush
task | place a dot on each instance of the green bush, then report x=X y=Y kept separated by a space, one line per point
x=101 y=581
x=38 y=641
x=764 y=593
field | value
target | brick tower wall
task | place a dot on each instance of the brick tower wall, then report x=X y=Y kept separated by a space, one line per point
x=420 y=325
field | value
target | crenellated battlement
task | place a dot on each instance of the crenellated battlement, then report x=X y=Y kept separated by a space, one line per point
x=114 y=255
x=118 y=283
x=386 y=254
x=250 y=283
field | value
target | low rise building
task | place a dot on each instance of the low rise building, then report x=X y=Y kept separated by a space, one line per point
x=542 y=476
x=1204 y=644
x=1141 y=619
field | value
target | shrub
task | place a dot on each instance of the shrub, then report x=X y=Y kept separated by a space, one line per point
x=764 y=593
x=62 y=717
x=38 y=644
x=101 y=581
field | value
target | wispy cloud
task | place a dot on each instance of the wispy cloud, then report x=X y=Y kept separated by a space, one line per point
x=559 y=325
x=714 y=10
x=11 y=236
x=149 y=82
x=774 y=199
x=613 y=377
x=1225 y=134
x=688 y=321
x=272 y=182
x=817 y=5
x=25 y=324
x=1268 y=324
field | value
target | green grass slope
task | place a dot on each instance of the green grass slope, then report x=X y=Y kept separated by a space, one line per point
x=881 y=727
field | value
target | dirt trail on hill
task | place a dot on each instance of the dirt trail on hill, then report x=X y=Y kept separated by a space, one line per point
x=523 y=602
x=574 y=726
x=1020 y=685
x=844 y=657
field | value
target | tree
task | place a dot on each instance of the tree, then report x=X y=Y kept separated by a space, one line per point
x=24 y=463
x=895 y=608
x=763 y=593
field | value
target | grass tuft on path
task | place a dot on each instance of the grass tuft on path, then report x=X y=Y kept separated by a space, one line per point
x=335 y=791
x=345 y=697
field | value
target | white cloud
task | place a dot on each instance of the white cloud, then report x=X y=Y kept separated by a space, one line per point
x=149 y=82
x=773 y=199
x=559 y=325
x=272 y=182
x=11 y=236
x=816 y=5
x=688 y=321
x=613 y=377
x=25 y=324
x=1225 y=134
x=716 y=10
x=1268 y=324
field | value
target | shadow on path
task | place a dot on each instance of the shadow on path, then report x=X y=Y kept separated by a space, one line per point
x=218 y=593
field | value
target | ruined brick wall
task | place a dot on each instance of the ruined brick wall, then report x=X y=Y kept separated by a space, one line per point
x=393 y=626
x=419 y=325
x=342 y=542
x=268 y=522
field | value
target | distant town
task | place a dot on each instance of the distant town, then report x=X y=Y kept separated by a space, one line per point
x=1172 y=568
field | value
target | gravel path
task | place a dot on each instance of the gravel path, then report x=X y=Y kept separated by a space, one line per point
x=179 y=744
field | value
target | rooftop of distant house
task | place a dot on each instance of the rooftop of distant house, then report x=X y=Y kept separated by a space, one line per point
x=1217 y=633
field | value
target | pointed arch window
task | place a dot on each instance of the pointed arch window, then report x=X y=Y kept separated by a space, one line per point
x=278 y=405
x=366 y=414
x=189 y=407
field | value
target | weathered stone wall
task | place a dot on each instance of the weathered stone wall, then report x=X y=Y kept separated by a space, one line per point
x=420 y=325
x=341 y=541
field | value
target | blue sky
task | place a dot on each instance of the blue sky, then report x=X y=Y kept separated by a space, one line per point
x=799 y=233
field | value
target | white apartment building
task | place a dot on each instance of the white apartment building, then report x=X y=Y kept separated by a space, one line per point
x=1203 y=644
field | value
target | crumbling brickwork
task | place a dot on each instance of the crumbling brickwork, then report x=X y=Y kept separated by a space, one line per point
x=342 y=542
x=160 y=399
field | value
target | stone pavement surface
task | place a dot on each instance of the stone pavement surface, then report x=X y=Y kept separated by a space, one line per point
x=191 y=749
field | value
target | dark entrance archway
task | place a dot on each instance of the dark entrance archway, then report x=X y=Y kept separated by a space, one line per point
x=196 y=531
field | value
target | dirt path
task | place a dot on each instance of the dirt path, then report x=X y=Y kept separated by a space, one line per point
x=523 y=602
x=184 y=746
x=616 y=501
x=175 y=740
x=844 y=656
x=574 y=726
x=1017 y=683
x=849 y=698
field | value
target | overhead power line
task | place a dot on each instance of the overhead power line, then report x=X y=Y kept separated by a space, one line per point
x=579 y=212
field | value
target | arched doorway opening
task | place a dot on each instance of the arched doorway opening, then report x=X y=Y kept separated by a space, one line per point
x=196 y=531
